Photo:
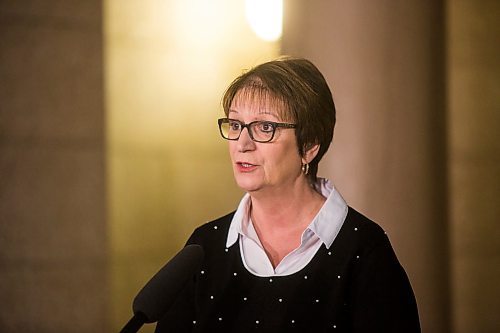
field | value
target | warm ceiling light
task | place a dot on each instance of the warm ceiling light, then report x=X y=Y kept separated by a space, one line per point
x=265 y=18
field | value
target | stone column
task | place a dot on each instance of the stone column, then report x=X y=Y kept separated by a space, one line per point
x=52 y=220
x=384 y=61
x=474 y=137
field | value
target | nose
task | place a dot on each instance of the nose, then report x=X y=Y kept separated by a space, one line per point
x=245 y=142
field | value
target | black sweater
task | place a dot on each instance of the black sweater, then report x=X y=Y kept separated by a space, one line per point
x=357 y=285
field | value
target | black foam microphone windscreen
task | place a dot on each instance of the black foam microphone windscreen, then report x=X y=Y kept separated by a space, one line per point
x=160 y=292
x=155 y=298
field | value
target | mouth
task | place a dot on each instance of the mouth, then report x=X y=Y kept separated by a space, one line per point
x=245 y=166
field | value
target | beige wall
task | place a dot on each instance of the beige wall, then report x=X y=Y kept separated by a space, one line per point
x=52 y=229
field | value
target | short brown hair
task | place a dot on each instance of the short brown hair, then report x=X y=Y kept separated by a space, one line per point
x=300 y=91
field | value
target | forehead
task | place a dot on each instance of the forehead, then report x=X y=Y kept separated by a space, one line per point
x=260 y=100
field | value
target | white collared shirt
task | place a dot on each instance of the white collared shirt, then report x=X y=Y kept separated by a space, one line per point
x=322 y=230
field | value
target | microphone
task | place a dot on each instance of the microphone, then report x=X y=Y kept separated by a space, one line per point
x=156 y=297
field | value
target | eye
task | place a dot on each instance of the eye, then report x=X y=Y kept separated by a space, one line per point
x=234 y=125
x=266 y=127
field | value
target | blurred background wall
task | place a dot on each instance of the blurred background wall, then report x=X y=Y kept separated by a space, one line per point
x=385 y=62
x=167 y=65
x=110 y=154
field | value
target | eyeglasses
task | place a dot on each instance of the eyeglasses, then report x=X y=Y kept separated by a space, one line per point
x=259 y=131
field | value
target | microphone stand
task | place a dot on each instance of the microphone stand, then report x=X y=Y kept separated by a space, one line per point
x=135 y=323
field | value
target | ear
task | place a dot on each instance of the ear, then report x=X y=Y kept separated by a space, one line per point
x=310 y=153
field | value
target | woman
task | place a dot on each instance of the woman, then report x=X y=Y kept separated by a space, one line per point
x=293 y=257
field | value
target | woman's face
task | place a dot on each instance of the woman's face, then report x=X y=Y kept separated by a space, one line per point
x=258 y=166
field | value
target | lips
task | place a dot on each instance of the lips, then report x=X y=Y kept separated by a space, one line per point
x=245 y=166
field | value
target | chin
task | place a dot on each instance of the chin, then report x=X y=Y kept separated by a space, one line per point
x=248 y=185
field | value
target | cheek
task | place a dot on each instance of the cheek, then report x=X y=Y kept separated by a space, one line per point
x=232 y=148
x=285 y=157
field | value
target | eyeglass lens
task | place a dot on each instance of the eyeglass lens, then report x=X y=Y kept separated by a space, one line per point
x=259 y=130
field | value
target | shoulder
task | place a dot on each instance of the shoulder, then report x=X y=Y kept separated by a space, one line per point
x=367 y=244
x=360 y=237
x=212 y=231
x=366 y=232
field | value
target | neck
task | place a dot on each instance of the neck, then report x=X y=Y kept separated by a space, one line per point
x=281 y=216
x=286 y=207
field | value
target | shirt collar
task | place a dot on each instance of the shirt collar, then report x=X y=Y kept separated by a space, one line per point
x=240 y=216
x=326 y=225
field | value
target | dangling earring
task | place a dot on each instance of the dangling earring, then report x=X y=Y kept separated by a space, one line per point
x=305 y=168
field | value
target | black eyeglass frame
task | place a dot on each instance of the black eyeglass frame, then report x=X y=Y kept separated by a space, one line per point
x=274 y=124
